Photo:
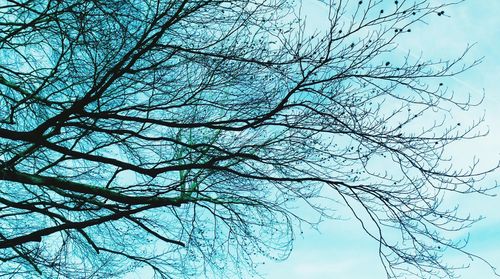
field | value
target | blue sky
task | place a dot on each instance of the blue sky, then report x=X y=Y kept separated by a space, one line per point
x=341 y=249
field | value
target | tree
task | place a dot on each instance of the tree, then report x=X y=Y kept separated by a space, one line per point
x=179 y=135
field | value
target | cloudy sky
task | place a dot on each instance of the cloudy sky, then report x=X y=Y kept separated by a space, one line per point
x=341 y=249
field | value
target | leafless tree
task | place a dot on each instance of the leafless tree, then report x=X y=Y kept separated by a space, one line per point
x=179 y=136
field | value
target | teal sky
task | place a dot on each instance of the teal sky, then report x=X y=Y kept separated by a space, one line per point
x=341 y=249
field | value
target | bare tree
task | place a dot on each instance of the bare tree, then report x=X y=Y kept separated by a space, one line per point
x=178 y=135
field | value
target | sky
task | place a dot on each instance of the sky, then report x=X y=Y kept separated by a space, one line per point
x=340 y=249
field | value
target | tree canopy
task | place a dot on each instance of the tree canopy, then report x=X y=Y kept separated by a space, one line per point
x=185 y=137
